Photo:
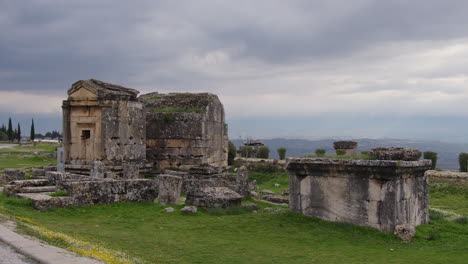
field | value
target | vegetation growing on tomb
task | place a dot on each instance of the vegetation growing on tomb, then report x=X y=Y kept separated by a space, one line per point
x=178 y=102
x=232 y=151
x=281 y=153
x=463 y=160
x=320 y=152
x=167 y=117
x=432 y=156
x=263 y=152
x=177 y=110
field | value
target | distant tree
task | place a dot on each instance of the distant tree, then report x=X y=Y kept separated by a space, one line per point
x=432 y=156
x=3 y=136
x=15 y=134
x=231 y=153
x=247 y=151
x=48 y=134
x=56 y=134
x=462 y=160
x=32 y=134
x=320 y=152
x=18 y=136
x=263 y=152
x=3 y=129
x=281 y=153
x=10 y=130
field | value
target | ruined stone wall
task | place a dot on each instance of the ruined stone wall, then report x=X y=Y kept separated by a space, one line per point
x=185 y=130
x=376 y=193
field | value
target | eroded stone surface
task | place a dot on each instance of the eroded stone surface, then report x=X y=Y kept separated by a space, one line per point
x=185 y=130
x=13 y=175
x=214 y=197
x=376 y=193
x=170 y=188
x=407 y=154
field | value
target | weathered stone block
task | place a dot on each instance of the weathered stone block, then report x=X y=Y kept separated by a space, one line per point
x=13 y=175
x=381 y=194
x=37 y=172
x=214 y=197
x=170 y=188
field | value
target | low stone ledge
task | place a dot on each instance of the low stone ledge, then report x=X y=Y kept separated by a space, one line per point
x=448 y=174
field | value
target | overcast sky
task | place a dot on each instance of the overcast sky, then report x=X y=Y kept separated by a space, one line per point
x=293 y=68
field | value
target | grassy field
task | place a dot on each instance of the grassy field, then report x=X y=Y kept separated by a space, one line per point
x=270 y=235
x=275 y=235
x=17 y=160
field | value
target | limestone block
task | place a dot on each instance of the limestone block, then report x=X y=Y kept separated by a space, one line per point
x=214 y=197
x=37 y=172
x=380 y=194
x=13 y=175
x=170 y=188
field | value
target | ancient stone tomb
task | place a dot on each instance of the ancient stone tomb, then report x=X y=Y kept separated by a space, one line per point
x=110 y=133
x=376 y=193
x=104 y=130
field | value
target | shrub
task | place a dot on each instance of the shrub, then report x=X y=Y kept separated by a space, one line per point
x=320 y=152
x=231 y=153
x=462 y=160
x=340 y=152
x=432 y=156
x=263 y=152
x=282 y=153
x=365 y=153
x=247 y=151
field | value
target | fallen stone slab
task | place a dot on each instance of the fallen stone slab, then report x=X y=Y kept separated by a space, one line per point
x=276 y=199
x=40 y=189
x=267 y=192
x=214 y=197
x=43 y=202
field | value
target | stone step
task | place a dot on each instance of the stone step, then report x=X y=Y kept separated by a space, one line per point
x=40 y=189
x=30 y=183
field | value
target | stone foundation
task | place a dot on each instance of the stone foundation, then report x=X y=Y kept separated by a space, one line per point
x=376 y=193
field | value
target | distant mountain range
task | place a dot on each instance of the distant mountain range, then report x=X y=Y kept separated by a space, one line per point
x=447 y=152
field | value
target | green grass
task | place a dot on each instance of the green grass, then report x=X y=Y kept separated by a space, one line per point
x=145 y=231
x=15 y=160
x=59 y=193
x=267 y=176
x=451 y=195
x=238 y=235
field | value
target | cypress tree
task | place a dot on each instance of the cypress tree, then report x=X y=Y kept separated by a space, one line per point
x=19 y=133
x=32 y=136
x=10 y=130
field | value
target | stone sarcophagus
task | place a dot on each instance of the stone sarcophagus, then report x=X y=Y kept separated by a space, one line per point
x=376 y=193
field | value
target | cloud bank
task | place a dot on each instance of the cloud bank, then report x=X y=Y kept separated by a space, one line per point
x=265 y=59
